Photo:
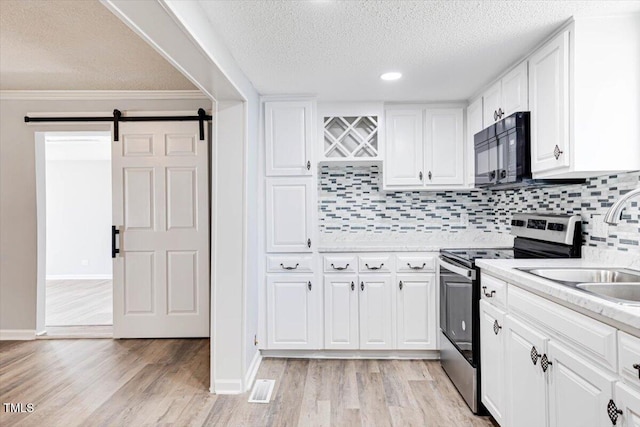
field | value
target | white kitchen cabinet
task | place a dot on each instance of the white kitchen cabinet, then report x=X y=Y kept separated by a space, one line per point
x=288 y=137
x=289 y=214
x=444 y=147
x=474 y=125
x=404 y=158
x=341 y=293
x=506 y=96
x=376 y=317
x=492 y=360
x=628 y=401
x=416 y=312
x=578 y=390
x=526 y=384
x=492 y=98
x=292 y=315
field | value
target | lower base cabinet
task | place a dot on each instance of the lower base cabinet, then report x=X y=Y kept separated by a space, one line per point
x=492 y=386
x=416 y=312
x=628 y=402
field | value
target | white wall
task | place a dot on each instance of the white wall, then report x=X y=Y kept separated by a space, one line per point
x=78 y=207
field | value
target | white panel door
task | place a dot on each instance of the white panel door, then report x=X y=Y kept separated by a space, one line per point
x=515 y=91
x=578 y=391
x=492 y=352
x=161 y=207
x=549 y=104
x=444 y=147
x=291 y=310
x=526 y=384
x=289 y=214
x=404 y=161
x=474 y=125
x=376 y=316
x=288 y=137
x=416 y=312
x=492 y=98
x=628 y=401
x=341 y=311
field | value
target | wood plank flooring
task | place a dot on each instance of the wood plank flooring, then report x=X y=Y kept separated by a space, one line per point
x=79 y=302
x=165 y=382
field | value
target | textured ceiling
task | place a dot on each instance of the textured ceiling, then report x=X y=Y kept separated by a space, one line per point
x=446 y=50
x=76 y=45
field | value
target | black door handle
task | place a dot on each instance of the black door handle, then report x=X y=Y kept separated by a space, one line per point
x=114 y=250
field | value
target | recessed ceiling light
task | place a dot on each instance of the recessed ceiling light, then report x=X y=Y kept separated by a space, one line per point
x=394 y=75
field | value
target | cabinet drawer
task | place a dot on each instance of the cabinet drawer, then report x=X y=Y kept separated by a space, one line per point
x=592 y=338
x=289 y=263
x=375 y=263
x=493 y=290
x=415 y=263
x=629 y=356
x=340 y=263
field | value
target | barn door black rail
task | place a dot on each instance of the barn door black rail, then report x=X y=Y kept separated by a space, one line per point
x=118 y=117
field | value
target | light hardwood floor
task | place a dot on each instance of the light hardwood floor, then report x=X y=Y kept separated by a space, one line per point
x=79 y=302
x=165 y=382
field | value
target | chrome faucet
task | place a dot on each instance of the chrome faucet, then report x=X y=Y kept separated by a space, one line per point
x=615 y=211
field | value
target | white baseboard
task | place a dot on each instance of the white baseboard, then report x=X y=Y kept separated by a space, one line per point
x=227 y=387
x=79 y=277
x=252 y=371
x=354 y=354
x=17 y=334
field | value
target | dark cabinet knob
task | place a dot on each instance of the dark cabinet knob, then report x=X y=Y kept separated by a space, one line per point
x=496 y=327
x=362 y=286
x=430 y=176
x=400 y=285
x=557 y=151
x=420 y=175
x=637 y=367
x=308 y=165
x=352 y=286
x=535 y=355
x=309 y=243
x=495 y=116
x=613 y=412
x=309 y=285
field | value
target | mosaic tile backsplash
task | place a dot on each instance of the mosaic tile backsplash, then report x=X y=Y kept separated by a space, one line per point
x=351 y=200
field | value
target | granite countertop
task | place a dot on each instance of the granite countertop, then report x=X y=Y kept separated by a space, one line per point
x=624 y=317
x=411 y=242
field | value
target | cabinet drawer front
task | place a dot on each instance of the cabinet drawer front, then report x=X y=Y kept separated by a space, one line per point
x=289 y=263
x=340 y=263
x=629 y=356
x=415 y=263
x=592 y=338
x=493 y=290
x=375 y=263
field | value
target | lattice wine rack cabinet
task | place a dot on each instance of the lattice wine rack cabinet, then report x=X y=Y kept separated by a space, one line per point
x=351 y=138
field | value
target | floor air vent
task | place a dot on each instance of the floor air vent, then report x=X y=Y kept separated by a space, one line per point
x=262 y=390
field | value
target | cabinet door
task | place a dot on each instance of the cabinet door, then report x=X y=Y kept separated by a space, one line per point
x=289 y=214
x=628 y=401
x=578 y=391
x=491 y=99
x=416 y=311
x=341 y=311
x=376 y=318
x=492 y=352
x=515 y=91
x=474 y=125
x=404 y=161
x=549 y=102
x=288 y=136
x=444 y=147
x=526 y=387
x=291 y=308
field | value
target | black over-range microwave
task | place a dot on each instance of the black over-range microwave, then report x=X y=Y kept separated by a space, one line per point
x=502 y=153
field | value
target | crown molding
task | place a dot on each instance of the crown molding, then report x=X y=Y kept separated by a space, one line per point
x=73 y=95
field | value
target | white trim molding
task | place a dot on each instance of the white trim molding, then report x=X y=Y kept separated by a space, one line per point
x=354 y=354
x=227 y=387
x=79 y=277
x=94 y=95
x=252 y=371
x=17 y=334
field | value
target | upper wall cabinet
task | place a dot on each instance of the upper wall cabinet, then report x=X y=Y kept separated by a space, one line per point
x=424 y=149
x=507 y=96
x=474 y=125
x=578 y=81
x=288 y=137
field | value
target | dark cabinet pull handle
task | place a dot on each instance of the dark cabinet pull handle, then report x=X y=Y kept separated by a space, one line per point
x=340 y=268
x=309 y=285
x=420 y=175
x=613 y=412
x=352 y=286
x=557 y=151
x=503 y=174
x=309 y=243
x=545 y=363
x=535 y=355
x=308 y=165
x=637 y=367
x=400 y=285
x=500 y=113
x=362 y=286
x=375 y=268
x=488 y=294
x=495 y=116
x=114 y=250
x=289 y=268
x=430 y=175
x=492 y=175
x=417 y=268
x=496 y=327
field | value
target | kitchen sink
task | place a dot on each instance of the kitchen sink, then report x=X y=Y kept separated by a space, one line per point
x=586 y=275
x=628 y=292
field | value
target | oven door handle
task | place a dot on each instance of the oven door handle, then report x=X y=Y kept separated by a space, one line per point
x=465 y=272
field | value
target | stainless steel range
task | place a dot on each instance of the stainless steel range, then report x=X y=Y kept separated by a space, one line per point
x=537 y=236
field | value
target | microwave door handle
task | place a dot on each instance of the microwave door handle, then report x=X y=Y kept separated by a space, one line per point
x=465 y=272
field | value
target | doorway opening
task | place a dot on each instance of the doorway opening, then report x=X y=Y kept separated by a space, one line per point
x=76 y=203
